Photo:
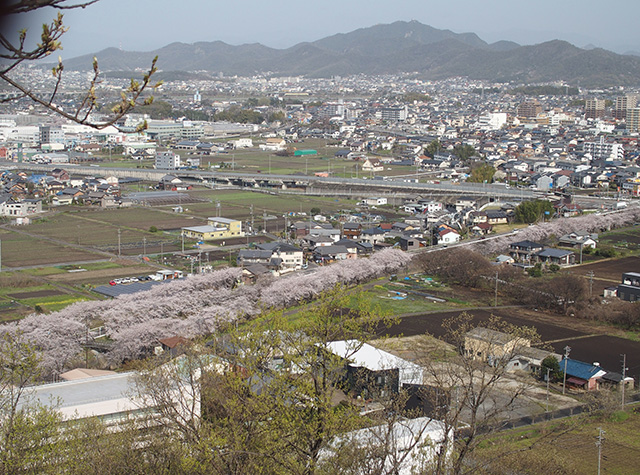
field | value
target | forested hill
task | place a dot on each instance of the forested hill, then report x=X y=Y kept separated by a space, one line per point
x=388 y=49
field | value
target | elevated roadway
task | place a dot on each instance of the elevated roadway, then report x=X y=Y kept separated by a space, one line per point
x=297 y=181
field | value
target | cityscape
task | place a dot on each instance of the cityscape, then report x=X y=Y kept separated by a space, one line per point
x=393 y=250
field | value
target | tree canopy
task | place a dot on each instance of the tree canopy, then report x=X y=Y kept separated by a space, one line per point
x=482 y=174
x=533 y=211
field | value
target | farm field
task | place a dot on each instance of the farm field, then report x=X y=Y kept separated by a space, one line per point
x=77 y=229
x=139 y=218
x=568 y=446
x=588 y=342
x=26 y=295
x=611 y=269
x=628 y=238
x=608 y=272
x=23 y=250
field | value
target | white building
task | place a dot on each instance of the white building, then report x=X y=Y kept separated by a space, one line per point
x=408 y=446
x=604 y=150
x=492 y=120
x=167 y=161
x=376 y=201
x=393 y=114
x=242 y=143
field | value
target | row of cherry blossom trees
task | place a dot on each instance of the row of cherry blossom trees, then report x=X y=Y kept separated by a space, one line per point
x=559 y=227
x=198 y=305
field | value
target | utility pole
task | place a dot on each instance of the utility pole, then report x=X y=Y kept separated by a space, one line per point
x=567 y=350
x=599 y=445
x=548 y=372
x=119 y=232
x=144 y=246
x=495 y=302
x=624 y=375
x=182 y=236
x=590 y=274
x=252 y=228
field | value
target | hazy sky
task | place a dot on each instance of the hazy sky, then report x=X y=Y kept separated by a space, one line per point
x=144 y=25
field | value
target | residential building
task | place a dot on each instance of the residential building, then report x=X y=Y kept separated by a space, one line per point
x=623 y=104
x=560 y=257
x=579 y=239
x=374 y=373
x=167 y=161
x=633 y=120
x=524 y=251
x=594 y=108
x=604 y=150
x=582 y=375
x=217 y=228
x=50 y=134
x=20 y=208
x=492 y=121
x=292 y=257
x=529 y=109
x=629 y=289
x=393 y=114
x=492 y=346
x=372 y=165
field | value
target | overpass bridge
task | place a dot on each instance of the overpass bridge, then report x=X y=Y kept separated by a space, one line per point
x=264 y=180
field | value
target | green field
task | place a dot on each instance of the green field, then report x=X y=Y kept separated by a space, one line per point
x=23 y=295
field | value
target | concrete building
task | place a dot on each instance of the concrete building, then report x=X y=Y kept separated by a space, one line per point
x=594 y=108
x=167 y=161
x=492 y=120
x=604 y=150
x=50 y=134
x=529 y=109
x=393 y=114
x=633 y=119
x=623 y=104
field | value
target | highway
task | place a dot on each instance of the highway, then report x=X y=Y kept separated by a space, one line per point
x=477 y=189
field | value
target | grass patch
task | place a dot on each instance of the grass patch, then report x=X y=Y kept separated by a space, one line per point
x=55 y=306
x=44 y=271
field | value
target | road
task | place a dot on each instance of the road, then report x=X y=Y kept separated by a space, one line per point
x=300 y=180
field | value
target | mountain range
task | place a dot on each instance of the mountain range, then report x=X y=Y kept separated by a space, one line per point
x=387 y=49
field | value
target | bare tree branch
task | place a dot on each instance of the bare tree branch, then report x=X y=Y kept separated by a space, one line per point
x=15 y=53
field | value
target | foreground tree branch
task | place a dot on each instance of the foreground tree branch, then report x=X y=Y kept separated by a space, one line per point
x=13 y=53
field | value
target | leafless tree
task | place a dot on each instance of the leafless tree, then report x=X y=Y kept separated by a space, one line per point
x=476 y=379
